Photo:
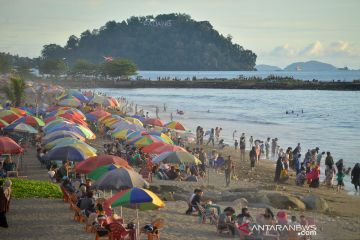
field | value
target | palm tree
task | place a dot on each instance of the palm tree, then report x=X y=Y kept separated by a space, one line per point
x=15 y=90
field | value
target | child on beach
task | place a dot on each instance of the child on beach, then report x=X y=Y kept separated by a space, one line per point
x=340 y=179
x=236 y=144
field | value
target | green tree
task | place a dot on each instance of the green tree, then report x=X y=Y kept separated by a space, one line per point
x=15 y=90
x=118 y=68
x=53 y=67
x=23 y=70
x=5 y=63
x=83 y=66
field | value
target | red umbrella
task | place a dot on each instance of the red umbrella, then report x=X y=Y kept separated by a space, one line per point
x=160 y=147
x=154 y=122
x=9 y=116
x=74 y=118
x=9 y=146
x=91 y=163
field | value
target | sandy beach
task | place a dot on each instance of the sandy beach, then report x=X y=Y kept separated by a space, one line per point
x=52 y=218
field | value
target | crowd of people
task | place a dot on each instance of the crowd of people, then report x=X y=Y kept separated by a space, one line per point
x=244 y=223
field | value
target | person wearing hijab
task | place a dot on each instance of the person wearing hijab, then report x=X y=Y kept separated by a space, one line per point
x=355 y=176
x=5 y=193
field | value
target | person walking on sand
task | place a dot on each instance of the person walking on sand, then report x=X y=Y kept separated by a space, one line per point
x=267 y=148
x=251 y=141
x=242 y=147
x=236 y=144
x=229 y=167
x=253 y=158
x=211 y=137
x=273 y=147
x=5 y=193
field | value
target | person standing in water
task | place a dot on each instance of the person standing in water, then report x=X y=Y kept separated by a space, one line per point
x=171 y=117
x=164 y=107
x=267 y=148
x=234 y=134
x=273 y=147
x=355 y=176
x=157 y=112
x=242 y=147
x=251 y=141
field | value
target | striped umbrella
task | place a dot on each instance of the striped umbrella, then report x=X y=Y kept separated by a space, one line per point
x=31 y=120
x=120 y=178
x=177 y=157
x=122 y=134
x=3 y=123
x=160 y=147
x=20 y=127
x=92 y=163
x=134 y=121
x=61 y=141
x=100 y=171
x=175 y=125
x=61 y=134
x=68 y=153
x=71 y=102
x=9 y=116
x=19 y=111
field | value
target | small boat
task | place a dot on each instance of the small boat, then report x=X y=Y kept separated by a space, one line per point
x=180 y=112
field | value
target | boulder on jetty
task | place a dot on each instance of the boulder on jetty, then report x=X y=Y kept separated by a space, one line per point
x=316 y=203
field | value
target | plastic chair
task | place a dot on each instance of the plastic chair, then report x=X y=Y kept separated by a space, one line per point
x=118 y=232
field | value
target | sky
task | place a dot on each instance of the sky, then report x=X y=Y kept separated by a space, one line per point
x=278 y=31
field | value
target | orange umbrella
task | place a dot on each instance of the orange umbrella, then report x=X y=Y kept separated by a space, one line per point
x=9 y=146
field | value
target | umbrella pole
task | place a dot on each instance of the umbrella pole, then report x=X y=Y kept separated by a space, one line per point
x=138 y=224
x=121 y=215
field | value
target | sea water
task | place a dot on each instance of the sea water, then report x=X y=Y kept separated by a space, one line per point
x=329 y=120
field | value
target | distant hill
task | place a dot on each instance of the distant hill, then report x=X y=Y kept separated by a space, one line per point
x=264 y=67
x=164 y=42
x=310 y=66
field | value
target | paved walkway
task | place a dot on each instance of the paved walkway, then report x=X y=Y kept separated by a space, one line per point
x=41 y=218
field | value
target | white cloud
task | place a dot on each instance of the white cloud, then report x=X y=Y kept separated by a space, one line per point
x=284 y=51
x=315 y=49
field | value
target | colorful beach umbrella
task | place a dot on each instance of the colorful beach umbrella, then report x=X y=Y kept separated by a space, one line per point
x=175 y=125
x=99 y=113
x=71 y=102
x=100 y=171
x=31 y=120
x=3 y=123
x=122 y=134
x=62 y=141
x=9 y=116
x=9 y=146
x=19 y=111
x=161 y=147
x=68 y=153
x=120 y=178
x=134 y=121
x=61 y=134
x=154 y=122
x=92 y=163
x=20 y=127
x=177 y=157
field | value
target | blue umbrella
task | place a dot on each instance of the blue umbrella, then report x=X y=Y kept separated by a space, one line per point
x=66 y=153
